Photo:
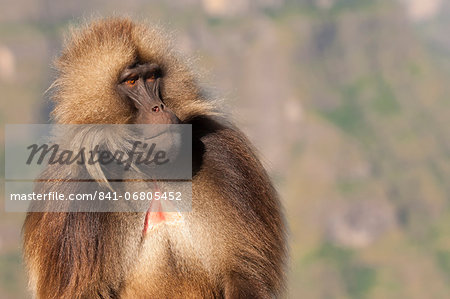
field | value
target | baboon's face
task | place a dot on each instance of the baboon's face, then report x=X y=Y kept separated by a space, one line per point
x=140 y=84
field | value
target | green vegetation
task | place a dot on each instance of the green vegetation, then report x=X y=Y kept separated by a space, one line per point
x=11 y=274
x=443 y=261
x=349 y=115
x=358 y=99
x=357 y=277
x=385 y=102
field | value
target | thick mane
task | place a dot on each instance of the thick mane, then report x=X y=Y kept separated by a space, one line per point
x=232 y=243
x=89 y=67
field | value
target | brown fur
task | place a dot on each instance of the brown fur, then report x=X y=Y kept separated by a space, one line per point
x=232 y=244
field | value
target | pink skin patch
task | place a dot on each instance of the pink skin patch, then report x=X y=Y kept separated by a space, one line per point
x=156 y=216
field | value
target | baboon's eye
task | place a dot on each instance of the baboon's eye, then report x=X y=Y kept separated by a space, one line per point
x=130 y=82
x=152 y=77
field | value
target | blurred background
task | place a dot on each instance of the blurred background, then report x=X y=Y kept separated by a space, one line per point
x=347 y=101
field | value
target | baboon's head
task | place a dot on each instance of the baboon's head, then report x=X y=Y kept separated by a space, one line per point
x=116 y=71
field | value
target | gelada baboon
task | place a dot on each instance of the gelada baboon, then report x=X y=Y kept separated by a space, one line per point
x=232 y=243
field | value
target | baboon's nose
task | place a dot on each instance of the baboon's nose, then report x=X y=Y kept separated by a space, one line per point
x=158 y=108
